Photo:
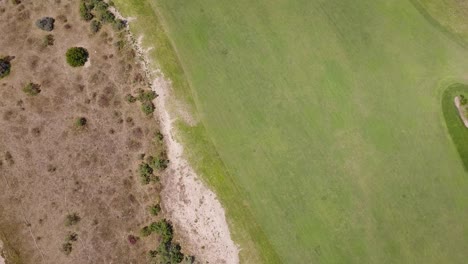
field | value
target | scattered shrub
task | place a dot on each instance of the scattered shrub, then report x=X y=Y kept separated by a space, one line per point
x=145 y=231
x=146 y=173
x=72 y=219
x=170 y=253
x=155 y=209
x=67 y=248
x=77 y=56
x=163 y=229
x=100 y=6
x=132 y=239
x=130 y=98
x=16 y=2
x=119 y=44
x=119 y=24
x=463 y=100
x=159 y=136
x=49 y=40
x=144 y=96
x=46 y=23
x=95 y=26
x=81 y=122
x=106 y=17
x=85 y=12
x=71 y=237
x=32 y=89
x=5 y=67
x=162 y=164
x=147 y=107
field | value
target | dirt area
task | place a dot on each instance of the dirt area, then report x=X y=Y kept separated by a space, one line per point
x=49 y=167
x=461 y=111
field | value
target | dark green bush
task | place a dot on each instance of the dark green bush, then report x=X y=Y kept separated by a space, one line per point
x=32 y=89
x=77 y=56
x=163 y=229
x=5 y=67
x=95 y=26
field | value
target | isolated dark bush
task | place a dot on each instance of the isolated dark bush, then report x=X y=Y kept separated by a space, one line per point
x=71 y=237
x=32 y=89
x=95 y=26
x=144 y=96
x=81 y=122
x=5 y=67
x=46 y=23
x=146 y=173
x=77 y=56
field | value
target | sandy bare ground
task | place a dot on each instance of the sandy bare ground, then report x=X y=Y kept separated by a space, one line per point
x=195 y=211
x=461 y=111
x=2 y=261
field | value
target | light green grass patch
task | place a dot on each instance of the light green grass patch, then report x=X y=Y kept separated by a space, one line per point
x=326 y=117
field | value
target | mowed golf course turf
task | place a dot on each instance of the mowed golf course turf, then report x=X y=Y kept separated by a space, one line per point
x=327 y=116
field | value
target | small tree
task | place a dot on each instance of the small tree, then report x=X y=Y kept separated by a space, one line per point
x=5 y=67
x=77 y=56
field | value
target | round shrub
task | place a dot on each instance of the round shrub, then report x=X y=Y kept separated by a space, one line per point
x=5 y=67
x=77 y=56
x=46 y=23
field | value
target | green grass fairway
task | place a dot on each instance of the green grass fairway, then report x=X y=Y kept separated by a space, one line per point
x=327 y=119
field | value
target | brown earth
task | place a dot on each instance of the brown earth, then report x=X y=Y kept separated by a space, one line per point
x=50 y=168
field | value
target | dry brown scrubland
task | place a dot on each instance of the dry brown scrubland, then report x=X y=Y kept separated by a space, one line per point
x=49 y=167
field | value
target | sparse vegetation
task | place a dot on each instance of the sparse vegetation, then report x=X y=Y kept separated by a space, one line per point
x=119 y=24
x=48 y=40
x=67 y=248
x=95 y=26
x=5 y=67
x=147 y=107
x=130 y=98
x=72 y=219
x=463 y=99
x=71 y=237
x=77 y=56
x=32 y=89
x=155 y=209
x=81 y=122
x=46 y=23
x=85 y=11
x=145 y=231
x=146 y=173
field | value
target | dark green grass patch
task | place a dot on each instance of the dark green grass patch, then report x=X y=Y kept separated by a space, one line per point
x=457 y=130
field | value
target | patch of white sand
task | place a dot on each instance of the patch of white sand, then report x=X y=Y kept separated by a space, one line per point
x=461 y=111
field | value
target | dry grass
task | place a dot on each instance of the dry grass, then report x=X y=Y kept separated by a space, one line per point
x=48 y=168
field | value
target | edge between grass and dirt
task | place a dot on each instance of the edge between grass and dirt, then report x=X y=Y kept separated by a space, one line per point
x=146 y=21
